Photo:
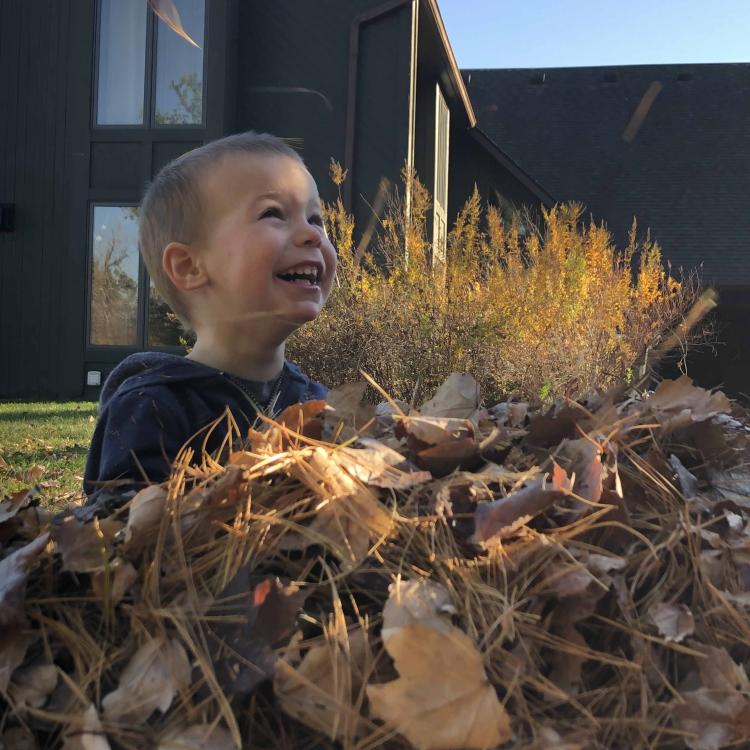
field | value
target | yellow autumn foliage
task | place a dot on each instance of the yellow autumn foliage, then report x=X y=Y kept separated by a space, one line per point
x=537 y=307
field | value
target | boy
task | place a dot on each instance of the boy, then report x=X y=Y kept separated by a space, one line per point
x=232 y=235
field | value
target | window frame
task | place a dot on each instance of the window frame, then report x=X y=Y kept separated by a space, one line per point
x=149 y=77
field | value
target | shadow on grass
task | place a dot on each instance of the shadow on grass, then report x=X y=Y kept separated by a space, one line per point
x=31 y=416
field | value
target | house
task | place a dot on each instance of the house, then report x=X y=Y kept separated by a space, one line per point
x=99 y=94
x=668 y=144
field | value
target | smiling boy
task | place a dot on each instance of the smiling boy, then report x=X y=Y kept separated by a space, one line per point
x=232 y=235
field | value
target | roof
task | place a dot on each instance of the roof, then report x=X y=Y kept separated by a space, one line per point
x=669 y=144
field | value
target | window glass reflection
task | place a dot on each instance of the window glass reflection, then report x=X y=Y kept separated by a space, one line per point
x=122 y=62
x=164 y=328
x=114 y=276
x=179 y=64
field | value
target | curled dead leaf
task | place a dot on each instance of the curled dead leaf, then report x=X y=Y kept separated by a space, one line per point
x=14 y=570
x=674 y=621
x=113 y=583
x=85 y=547
x=145 y=513
x=157 y=670
x=491 y=518
x=33 y=685
x=85 y=732
x=457 y=397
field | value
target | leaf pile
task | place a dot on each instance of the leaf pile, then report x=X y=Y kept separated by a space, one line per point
x=365 y=577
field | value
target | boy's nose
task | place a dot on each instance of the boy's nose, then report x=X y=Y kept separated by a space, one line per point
x=307 y=234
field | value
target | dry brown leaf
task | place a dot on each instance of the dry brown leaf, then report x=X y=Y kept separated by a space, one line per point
x=114 y=582
x=491 y=518
x=85 y=547
x=419 y=601
x=18 y=738
x=674 y=621
x=32 y=686
x=145 y=513
x=157 y=670
x=566 y=659
x=435 y=430
x=346 y=402
x=199 y=737
x=14 y=570
x=718 y=714
x=17 y=501
x=14 y=643
x=457 y=397
x=442 y=699
x=375 y=464
x=678 y=403
x=86 y=732
x=263 y=614
x=167 y=11
x=348 y=514
x=322 y=690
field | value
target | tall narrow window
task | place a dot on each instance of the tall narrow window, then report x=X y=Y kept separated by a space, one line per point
x=179 y=64
x=113 y=296
x=442 y=145
x=122 y=62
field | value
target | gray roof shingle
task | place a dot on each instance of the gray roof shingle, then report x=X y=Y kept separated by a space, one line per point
x=685 y=174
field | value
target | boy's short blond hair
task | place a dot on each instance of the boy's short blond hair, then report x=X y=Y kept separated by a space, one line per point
x=171 y=209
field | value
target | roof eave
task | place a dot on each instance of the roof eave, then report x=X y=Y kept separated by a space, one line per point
x=453 y=69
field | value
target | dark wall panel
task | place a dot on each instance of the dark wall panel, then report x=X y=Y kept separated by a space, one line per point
x=115 y=165
x=36 y=62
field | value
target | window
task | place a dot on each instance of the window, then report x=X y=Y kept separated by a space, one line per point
x=150 y=63
x=119 y=313
x=442 y=145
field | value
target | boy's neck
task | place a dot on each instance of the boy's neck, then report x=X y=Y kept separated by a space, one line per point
x=251 y=361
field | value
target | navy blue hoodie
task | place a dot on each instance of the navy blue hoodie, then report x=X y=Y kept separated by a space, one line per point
x=152 y=404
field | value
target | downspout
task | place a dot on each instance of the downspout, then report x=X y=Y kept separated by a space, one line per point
x=351 y=94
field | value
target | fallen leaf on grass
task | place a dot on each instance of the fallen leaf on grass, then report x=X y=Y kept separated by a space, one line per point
x=457 y=397
x=11 y=506
x=157 y=670
x=491 y=518
x=33 y=685
x=442 y=699
x=14 y=570
x=674 y=621
x=199 y=737
x=322 y=690
x=265 y=615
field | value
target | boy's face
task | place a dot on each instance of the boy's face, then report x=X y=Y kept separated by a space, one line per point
x=263 y=231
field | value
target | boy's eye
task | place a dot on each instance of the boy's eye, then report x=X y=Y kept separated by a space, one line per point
x=272 y=212
x=316 y=219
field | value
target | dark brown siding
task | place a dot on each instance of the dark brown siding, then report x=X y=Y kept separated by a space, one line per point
x=292 y=81
x=41 y=281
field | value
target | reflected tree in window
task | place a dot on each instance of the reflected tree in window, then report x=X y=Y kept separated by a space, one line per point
x=114 y=276
x=189 y=110
x=164 y=327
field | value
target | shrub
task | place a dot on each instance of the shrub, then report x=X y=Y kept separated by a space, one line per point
x=536 y=308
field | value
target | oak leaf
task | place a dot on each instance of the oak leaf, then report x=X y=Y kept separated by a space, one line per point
x=442 y=699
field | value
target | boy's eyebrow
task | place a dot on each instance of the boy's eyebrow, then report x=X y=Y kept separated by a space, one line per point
x=277 y=194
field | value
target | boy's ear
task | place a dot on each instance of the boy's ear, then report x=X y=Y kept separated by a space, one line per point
x=183 y=267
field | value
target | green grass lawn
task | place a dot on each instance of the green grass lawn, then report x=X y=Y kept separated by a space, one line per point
x=45 y=443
